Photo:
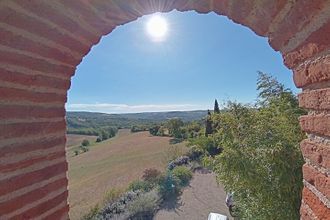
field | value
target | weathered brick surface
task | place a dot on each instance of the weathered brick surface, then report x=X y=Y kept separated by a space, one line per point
x=319 y=180
x=295 y=20
x=318 y=208
x=42 y=42
x=312 y=72
x=316 y=99
x=318 y=124
x=18 y=182
x=316 y=43
x=318 y=154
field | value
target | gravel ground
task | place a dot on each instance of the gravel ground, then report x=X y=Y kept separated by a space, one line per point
x=201 y=197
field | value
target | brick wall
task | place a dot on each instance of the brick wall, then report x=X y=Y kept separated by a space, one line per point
x=42 y=42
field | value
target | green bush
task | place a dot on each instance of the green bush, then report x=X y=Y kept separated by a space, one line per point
x=144 y=206
x=85 y=143
x=84 y=148
x=183 y=173
x=169 y=186
x=112 y=195
x=140 y=185
x=76 y=152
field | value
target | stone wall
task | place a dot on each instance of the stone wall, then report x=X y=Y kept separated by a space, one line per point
x=42 y=42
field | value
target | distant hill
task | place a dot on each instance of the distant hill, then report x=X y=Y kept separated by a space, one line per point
x=76 y=120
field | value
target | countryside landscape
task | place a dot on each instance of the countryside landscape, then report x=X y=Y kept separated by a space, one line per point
x=166 y=165
x=164 y=110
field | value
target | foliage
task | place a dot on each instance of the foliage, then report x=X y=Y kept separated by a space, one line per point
x=183 y=173
x=151 y=175
x=84 y=148
x=208 y=124
x=261 y=161
x=116 y=209
x=207 y=145
x=172 y=153
x=85 y=143
x=144 y=206
x=139 y=128
x=216 y=107
x=169 y=186
x=112 y=195
x=76 y=152
x=174 y=126
x=154 y=130
x=140 y=185
x=182 y=160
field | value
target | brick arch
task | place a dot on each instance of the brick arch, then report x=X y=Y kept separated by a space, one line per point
x=42 y=42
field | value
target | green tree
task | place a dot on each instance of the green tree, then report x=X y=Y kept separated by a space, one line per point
x=261 y=161
x=208 y=124
x=216 y=107
x=174 y=126
x=85 y=143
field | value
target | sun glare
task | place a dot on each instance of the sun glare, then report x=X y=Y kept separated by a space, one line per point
x=157 y=28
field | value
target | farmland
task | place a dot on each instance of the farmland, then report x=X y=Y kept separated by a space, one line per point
x=113 y=164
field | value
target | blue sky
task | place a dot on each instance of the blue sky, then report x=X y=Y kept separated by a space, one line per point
x=202 y=57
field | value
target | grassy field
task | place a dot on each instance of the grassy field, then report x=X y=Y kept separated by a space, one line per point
x=113 y=164
x=73 y=141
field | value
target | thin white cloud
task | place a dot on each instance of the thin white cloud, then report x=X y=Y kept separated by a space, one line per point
x=124 y=108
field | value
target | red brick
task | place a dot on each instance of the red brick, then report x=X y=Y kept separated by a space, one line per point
x=319 y=124
x=42 y=143
x=30 y=161
x=30 y=112
x=318 y=154
x=41 y=29
x=318 y=208
x=42 y=208
x=304 y=213
x=19 y=202
x=27 y=179
x=37 y=64
x=317 y=179
x=316 y=43
x=60 y=214
x=33 y=128
x=295 y=21
x=34 y=80
x=313 y=72
x=22 y=43
x=315 y=99
x=17 y=95
x=46 y=12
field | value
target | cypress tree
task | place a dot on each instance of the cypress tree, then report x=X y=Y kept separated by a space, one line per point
x=208 y=124
x=216 y=107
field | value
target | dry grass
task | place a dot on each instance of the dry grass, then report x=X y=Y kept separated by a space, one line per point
x=113 y=164
x=76 y=139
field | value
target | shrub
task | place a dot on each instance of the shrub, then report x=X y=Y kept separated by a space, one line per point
x=169 y=186
x=182 y=160
x=85 y=143
x=183 y=173
x=140 y=185
x=118 y=207
x=112 y=195
x=151 y=175
x=144 y=206
x=76 y=152
x=99 y=139
x=84 y=148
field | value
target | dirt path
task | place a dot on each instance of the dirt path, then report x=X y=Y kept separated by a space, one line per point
x=203 y=196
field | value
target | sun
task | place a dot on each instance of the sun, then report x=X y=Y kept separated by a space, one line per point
x=157 y=28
